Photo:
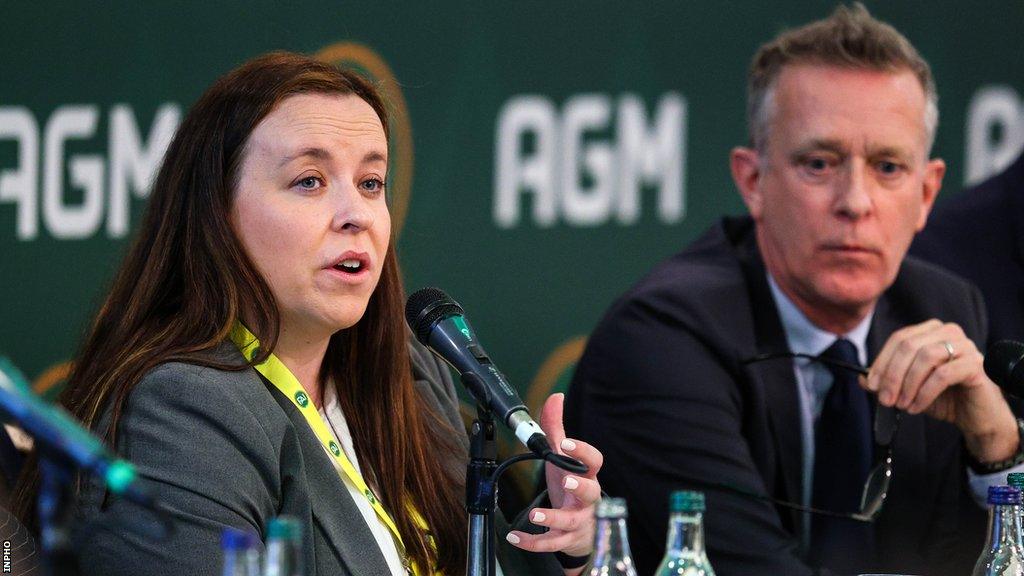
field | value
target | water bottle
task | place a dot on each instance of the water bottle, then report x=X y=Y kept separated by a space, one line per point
x=1003 y=554
x=284 y=548
x=684 y=552
x=241 y=553
x=1016 y=479
x=611 y=545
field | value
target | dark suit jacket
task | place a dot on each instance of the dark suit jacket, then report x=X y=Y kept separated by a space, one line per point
x=979 y=234
x=662 y=391
x=225 y=449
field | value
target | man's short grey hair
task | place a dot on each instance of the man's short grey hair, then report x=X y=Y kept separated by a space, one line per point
x=849 y=38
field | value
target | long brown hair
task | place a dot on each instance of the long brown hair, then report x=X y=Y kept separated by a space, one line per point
x=186 y=280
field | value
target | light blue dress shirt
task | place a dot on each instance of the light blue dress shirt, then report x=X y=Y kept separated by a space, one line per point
x=813 y=378
x=814 y=381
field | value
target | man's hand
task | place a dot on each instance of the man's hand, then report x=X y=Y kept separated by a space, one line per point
x=933 y=367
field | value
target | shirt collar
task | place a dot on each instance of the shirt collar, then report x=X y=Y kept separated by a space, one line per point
x=804 y=337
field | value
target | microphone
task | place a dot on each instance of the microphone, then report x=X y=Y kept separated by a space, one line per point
x=57 y=434
x=1003 y=365
x=440 y=324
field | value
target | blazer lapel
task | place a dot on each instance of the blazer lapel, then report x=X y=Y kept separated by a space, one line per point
x=778 y=380
x=333 y=509
x=781 y=395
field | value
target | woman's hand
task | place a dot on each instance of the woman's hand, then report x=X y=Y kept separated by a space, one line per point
x=573 y=496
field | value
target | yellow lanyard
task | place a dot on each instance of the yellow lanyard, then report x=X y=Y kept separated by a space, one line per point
x=282 y=378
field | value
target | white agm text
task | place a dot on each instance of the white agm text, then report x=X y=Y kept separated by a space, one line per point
x=106 y=184
x=588 y=163
x=995 y=131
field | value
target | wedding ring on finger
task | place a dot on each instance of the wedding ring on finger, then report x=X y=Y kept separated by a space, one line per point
x=949 y=350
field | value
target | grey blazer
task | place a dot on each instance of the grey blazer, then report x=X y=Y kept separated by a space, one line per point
x=224 y=449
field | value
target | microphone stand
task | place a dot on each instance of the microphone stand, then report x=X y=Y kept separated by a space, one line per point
x=482 y=475
x=481 y=494
x=56 y=512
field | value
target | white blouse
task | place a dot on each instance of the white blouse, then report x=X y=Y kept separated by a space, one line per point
x=336 y=423
x=338 y=426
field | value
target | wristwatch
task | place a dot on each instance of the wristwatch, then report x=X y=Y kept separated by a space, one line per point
x=1002 y=465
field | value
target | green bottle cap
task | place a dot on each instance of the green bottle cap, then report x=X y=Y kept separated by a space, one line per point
x=686 y=501
x=1015 y=479
x=284 y=528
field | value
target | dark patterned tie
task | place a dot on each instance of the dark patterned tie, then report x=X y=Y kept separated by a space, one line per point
x=842 y=461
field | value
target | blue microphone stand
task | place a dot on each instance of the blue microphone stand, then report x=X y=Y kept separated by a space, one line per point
x=56 y=513
x=481 y=495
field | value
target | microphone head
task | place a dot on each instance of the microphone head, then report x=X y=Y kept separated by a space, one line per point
x=1001 y=363
x=425 y=307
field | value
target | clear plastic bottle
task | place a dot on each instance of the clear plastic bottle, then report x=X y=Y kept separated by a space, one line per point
x=241 y=553
x=684 y=551
x=611 y=543
x=284 y=548
x=1003 y=554
x=1016 y=479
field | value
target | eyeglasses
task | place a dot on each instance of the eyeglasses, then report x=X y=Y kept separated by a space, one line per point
x=876 y=486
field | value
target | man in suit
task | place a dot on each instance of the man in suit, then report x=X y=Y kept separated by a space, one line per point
x=979 y=234
x=837 y=180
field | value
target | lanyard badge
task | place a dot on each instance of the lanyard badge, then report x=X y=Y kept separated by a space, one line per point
x=282 y=378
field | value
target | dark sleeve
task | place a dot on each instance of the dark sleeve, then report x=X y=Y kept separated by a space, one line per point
x=516 y=561
x=667 y=415
x=210 y=462
x=979 y=331
x=957 y=528
x=957 y=536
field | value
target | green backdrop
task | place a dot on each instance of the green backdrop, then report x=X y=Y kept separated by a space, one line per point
x=549 y=152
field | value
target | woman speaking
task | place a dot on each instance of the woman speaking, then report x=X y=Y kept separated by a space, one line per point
x=252 y=358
